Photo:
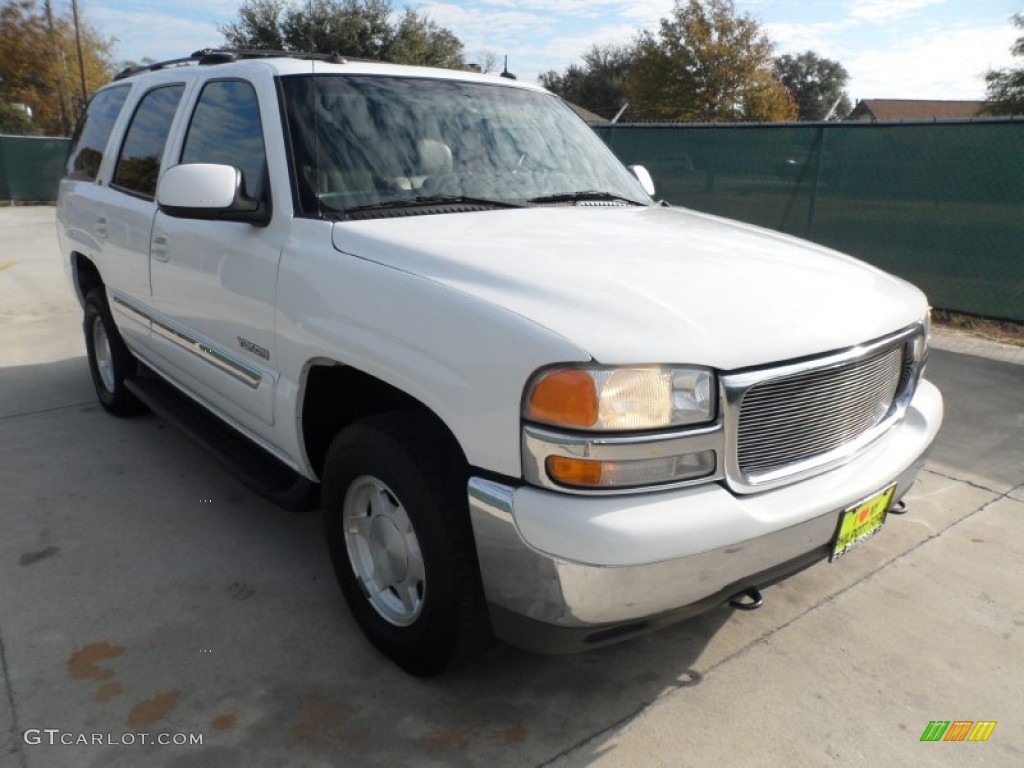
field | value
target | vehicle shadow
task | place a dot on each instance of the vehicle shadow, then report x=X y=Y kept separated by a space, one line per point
x=32 y=388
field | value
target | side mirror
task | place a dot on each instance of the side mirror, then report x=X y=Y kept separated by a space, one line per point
x=208 y=191
x=644 y=178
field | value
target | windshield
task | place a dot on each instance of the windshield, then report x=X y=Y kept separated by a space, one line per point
x=384 y=143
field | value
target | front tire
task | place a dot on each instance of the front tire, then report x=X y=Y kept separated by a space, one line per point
x=394 y=498
x=110 y=362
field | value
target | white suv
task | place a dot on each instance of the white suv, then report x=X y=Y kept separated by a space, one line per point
x=532 y=402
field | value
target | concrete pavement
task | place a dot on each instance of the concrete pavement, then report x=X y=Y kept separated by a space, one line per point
x=142 y=590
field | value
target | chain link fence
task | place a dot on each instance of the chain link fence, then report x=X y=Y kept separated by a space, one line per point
x=940 y=204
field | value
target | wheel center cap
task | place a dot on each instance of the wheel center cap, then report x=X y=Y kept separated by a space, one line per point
x=390 y=554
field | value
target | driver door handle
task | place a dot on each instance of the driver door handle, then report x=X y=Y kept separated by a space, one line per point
x=159 y=248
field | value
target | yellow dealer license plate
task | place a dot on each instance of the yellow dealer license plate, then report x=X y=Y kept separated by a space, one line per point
x=861 y=521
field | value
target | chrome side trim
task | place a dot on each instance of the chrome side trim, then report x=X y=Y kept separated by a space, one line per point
x=540 y=443
x=243 y=373
x=733 y=387
x=232 y=422
x=127 y=308
x=224 y=362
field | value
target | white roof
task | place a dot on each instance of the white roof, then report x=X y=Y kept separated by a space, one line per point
x=282 y=65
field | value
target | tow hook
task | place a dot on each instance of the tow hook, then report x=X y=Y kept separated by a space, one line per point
x=747 y=600
x=899 y=508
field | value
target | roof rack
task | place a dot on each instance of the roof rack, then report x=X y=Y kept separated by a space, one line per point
x=208 y=56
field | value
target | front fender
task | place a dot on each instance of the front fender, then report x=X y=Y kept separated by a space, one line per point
x=464 y=358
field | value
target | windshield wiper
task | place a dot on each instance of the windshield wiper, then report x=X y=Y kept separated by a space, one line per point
x=583 y=196
x=422 y=201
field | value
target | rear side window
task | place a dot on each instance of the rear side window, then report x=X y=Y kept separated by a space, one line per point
x=138 y=165
x=93 y=132
x=226 y=130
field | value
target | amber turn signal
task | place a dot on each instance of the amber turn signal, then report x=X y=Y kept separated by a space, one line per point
x=580 y=473
x=630 y=473
x=564 y=397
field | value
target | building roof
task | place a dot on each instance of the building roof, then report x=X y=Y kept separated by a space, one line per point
x=587 y=115
x=914 y=109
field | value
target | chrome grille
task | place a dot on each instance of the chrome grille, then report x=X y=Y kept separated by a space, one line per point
x=796 y=418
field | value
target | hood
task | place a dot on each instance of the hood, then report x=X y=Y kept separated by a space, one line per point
x=648 y=285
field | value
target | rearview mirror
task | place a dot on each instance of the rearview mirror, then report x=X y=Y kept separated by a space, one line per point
x=644 y=178
x=208 y=191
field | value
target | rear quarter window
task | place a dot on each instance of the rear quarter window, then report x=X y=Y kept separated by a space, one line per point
x=93 y=133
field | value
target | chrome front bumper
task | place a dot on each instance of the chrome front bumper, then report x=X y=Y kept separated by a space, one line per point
x=563 y=573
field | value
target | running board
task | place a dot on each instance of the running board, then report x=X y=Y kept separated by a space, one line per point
x=259 y=471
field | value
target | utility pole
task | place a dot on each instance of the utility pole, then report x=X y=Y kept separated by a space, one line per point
x=81 y=58
x=58 y=54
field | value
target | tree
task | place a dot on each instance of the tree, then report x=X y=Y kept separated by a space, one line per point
x=599 y=84
x=15 y=120
x=488 y=61
x=350 y=27
x=126 y=64
x=39 y=66
x=258 y=26
x=816 y=84
x=1005 y=87
x=419 y=40
x=357 y=28
x=706 y=63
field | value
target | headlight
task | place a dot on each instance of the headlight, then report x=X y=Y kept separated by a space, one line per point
x=621 y=399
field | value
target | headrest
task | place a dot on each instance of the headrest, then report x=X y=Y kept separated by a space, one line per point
x=435 y=157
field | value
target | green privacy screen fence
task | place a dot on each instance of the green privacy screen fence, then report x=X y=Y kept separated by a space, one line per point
x=940 y=204
x=30 y=168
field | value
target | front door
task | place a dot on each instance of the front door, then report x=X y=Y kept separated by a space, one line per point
x=214 y=282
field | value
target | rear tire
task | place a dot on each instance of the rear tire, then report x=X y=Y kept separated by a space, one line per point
x=110 y=362
x=398 y=531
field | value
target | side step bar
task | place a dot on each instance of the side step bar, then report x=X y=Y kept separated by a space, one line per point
x=254 y=467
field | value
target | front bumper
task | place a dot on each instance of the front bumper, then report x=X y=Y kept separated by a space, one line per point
x=562 y=573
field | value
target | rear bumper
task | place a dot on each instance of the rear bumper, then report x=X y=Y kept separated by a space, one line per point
x=564 y=573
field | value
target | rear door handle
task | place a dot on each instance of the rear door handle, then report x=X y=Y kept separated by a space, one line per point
x=159 y=248
x=101 y=227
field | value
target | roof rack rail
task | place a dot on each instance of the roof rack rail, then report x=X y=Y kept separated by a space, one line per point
x=208 y=56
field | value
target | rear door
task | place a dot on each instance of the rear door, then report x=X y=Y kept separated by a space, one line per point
x=214 y=282
x=126 y=207
x=110 y=199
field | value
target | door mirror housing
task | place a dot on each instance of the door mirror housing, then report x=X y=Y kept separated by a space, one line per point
x=644 y=177
x=208 y=191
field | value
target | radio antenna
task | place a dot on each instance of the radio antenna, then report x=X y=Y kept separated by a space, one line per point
x=316 y=127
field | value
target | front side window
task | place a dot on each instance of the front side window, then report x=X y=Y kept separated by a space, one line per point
x=138 y=165
x=93 y=132
x=226 y=130
x=370 y=143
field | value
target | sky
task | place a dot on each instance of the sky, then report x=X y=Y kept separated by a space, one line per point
x=911 y=49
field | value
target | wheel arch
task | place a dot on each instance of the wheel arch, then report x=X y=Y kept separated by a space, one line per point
x=84 y=275
x=334 y=395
